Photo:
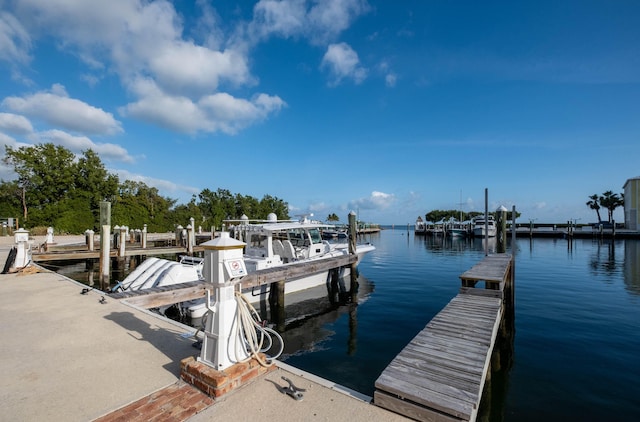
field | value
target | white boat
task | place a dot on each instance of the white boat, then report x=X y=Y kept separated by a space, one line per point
x=269 y=243
x=420 y=227
x=479 y=227
x=455 y=228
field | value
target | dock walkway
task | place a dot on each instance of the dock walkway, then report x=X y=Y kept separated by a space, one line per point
x=67 y=356
x=440 y=374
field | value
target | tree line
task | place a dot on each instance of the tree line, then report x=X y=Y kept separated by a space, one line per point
x=54 y=187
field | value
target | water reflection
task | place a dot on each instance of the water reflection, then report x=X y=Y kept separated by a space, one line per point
x=455 y=244
x=632 y=266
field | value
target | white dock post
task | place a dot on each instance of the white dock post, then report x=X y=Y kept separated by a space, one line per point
x=144 y=237
x=224 y=268
x=89 y=238
x=122 y=240
x=49 y=240
x=191 y=239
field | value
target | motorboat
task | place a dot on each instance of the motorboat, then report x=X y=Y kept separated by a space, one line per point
x=455 y=228
x=479 y=225
x=420 y=227
x=269 y=243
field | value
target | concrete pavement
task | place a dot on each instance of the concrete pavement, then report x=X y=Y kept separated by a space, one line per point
x=67 y=356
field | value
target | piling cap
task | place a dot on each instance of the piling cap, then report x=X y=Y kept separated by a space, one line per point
x=223 y=242
x=501 y=208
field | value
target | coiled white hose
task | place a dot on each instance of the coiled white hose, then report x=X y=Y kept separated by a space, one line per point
x=256 y=338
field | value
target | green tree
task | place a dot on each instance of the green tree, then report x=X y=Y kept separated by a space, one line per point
x=333 y=217
x=217 y=206
x=271 y=204
x=594 y=204
x=137 y=204
x=611 y=201
x=45 y=176
x=183 y=213
x=10 y=199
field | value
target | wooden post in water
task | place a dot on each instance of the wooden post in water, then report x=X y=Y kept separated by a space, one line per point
x=353 y=282
x=105 y=244
x=486 y=221
x=501 y=226
x=122 y=241
x=143 y=240
x=89 y=240
x=276 y=304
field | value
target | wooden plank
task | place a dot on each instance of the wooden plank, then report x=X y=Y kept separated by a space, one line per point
x=437 y=401
x=161 y=296
x=406 y=408
x=443 y=368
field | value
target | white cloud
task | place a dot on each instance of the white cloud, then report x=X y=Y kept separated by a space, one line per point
x=343 y=62
x=14 y=39
x=376 y=201
x=57 y=109
x=164 y=186
x=183 y=67
x=212 y=113
x=78 y=144
x=318 y=21
x=15 y=123
x=391 y=80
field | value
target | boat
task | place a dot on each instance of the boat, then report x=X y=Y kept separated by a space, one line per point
x=455 y=228
x=420 y=227
x=270 y=243
x=479 y=227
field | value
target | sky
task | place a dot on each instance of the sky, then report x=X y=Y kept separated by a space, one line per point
x=390 y=109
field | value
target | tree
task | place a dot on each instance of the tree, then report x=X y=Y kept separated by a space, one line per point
x=333 y=217
x=611 y=201
x=45 y=176
x=137 y=204
x=594 y=204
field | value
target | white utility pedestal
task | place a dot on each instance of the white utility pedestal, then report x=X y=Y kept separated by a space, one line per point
x=224 y=268
x=23 y=255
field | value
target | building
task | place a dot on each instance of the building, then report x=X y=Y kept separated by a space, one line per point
x=632 y=203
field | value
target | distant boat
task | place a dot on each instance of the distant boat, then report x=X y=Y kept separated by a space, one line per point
x=479 y=227
x=420 y=227
x=455 y=228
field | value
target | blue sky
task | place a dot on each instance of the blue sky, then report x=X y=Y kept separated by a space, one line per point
x=390 y=109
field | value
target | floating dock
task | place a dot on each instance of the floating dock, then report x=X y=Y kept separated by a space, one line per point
x=440 y=374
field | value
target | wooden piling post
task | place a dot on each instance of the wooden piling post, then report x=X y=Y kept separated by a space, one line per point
x=105 y=244
x=353 y=279
x=89 y=240
x=122 y=241
x=143 y=241
x=276 y=303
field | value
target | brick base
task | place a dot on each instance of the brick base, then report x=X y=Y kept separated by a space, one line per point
x=218 y=383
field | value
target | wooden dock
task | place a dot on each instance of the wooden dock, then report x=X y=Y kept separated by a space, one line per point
x=440 y=375
x=167 y=295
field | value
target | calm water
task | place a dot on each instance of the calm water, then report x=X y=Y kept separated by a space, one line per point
x=576 y=350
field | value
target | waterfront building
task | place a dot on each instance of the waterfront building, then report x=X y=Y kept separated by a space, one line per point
x=632 y=203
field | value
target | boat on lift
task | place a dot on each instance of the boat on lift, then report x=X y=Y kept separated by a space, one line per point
x=269 y=243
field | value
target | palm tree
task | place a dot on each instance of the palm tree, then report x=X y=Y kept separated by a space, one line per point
x=611 y=201
x=594 y=204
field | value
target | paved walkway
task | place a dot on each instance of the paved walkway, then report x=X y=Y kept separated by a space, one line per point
x=67 y=356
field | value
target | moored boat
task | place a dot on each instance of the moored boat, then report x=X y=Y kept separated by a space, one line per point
x=270 y=243
x=480 y=225
x=420 y=227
